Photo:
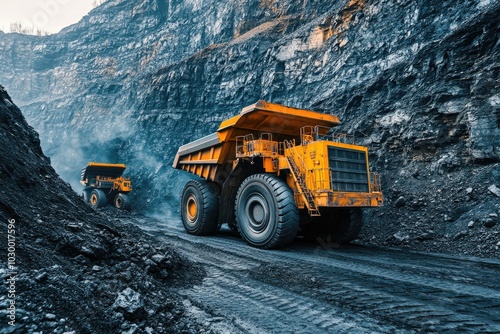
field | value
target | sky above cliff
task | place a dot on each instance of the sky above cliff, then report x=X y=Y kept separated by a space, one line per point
x=48 y=15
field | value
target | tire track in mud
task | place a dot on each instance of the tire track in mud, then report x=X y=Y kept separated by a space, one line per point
x=272 y=309
x=349 y=289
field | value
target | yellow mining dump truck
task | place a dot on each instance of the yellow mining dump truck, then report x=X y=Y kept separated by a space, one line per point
x=273 y=170
x=105 y=184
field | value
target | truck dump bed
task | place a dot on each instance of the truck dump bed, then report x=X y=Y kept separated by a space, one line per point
x=94 y=169
x=208 y=155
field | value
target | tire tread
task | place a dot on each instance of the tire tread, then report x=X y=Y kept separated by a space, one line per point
x=210 y=207
x=288 y=220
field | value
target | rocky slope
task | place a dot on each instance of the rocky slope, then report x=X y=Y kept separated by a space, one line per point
x=65 y=254
x=417 y=81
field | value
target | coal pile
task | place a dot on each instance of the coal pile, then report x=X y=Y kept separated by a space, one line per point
x=74 y=270
x=455 y=212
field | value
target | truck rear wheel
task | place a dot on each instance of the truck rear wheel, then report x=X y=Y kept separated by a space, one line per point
x=98 y=198
x=265 y=211
x=122 y=201
x=199 y=208
x=86 y=194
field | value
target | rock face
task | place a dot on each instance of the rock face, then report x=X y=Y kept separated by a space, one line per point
x=26 y=174
x=416 y=81
x=65 y=254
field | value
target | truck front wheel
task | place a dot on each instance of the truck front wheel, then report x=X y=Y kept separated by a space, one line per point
x=265 y=211
x=353 y=226
x=122 y=201
x=336 y=225
x=199 y=208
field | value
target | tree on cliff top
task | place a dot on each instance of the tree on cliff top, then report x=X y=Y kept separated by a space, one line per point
x=18 y=27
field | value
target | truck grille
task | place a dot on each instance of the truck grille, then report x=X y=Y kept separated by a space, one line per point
x=348 y=169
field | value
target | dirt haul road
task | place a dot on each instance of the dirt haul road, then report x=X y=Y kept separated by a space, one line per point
x=313 y=288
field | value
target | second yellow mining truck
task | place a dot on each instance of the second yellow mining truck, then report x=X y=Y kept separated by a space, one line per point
x=273 y=170
x=105 y=184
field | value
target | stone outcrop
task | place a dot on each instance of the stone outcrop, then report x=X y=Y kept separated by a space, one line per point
x=417 y=81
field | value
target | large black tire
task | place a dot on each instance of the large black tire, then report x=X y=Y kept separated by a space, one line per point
x=199 y=208
x=265 y=211
x=353 y=226
x=98 y=198
x=122 y=201
x=335 y=225
x=86 y=194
